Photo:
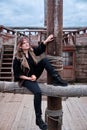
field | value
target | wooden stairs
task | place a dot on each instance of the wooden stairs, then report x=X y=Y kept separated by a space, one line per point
x=6 y=63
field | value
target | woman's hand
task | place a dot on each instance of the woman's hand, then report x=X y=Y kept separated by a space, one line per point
x=49 y=39
x=33 y=78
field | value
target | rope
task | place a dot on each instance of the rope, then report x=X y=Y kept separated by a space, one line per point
x=55 y=115
x=56 y=62
x=59 y=120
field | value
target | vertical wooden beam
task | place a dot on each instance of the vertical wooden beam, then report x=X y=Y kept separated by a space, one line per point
x=45 y=12
x=54 y=26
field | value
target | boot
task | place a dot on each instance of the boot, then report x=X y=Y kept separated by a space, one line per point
x=42 y=125
x=58 y=81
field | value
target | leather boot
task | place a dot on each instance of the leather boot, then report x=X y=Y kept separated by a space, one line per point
x=42 y=125
x=58 y=81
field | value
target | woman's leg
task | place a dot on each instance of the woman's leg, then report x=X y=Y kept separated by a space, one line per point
x=34 y=88
x=45 y=64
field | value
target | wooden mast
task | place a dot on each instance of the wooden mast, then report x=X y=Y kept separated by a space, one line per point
x=54 y=26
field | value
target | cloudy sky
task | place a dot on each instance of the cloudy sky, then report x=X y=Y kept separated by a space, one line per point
x=31 y=13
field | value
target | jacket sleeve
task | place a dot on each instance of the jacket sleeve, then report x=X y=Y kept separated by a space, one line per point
x=40 y=49
x=17 y=69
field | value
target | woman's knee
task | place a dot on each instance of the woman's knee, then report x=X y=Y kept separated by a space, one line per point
x=33 y=87
x=45 y=60
x=37 y=92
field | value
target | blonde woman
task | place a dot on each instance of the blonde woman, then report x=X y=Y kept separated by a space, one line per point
x=27 y=70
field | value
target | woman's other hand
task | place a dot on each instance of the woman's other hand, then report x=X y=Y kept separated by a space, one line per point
x=49 y=39
x=33 y=78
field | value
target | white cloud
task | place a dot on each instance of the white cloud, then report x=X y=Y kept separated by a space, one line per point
x=31 y=13
x=22 y=13
x=75 y=13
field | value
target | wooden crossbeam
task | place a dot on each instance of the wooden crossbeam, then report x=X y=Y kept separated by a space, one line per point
x=48 y=90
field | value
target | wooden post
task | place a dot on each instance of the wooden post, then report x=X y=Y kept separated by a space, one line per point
x=54 y=26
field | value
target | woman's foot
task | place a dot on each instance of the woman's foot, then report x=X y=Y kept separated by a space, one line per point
x=58 y=81
x=42 y=125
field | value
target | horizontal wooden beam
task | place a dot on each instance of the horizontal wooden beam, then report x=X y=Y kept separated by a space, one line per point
x=48 y=90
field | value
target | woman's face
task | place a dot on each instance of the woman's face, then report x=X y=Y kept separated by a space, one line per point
x=25 y=45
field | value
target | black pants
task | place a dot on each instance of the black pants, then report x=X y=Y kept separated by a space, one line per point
x=34 y=87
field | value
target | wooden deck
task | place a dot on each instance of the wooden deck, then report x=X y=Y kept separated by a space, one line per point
x=17 y=113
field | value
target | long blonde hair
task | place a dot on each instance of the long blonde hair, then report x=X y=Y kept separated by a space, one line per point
x=20 y=54
x=19 y=51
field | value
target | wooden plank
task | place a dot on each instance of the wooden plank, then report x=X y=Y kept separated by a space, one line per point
x=4 y=108
x=78 y=118
x=25 y=118
x=82 y=112
x=67 y=120
x=27 y=114
x=15 y=101
x=75 y=114
x=18 y=116
x=17 y=112
x=1 y=96
x=9 y=113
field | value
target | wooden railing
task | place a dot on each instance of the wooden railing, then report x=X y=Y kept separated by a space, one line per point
x=70 y=34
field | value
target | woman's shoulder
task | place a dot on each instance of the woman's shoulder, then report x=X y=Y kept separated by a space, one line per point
x=16 y=60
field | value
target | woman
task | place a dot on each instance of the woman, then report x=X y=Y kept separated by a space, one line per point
x=27 y=70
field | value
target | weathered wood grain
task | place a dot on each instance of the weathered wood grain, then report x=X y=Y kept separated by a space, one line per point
x=48 y=90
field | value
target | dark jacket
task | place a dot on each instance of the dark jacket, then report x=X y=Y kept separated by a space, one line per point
x=18 y=71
